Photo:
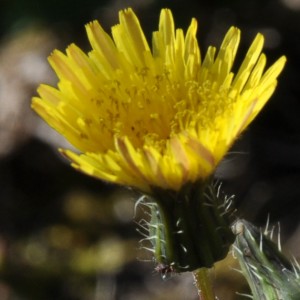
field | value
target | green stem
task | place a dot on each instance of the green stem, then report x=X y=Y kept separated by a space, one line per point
x=204 y=284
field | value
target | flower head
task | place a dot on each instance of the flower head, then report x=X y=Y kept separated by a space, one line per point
x=160 y=116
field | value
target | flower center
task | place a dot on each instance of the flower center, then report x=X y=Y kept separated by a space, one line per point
x=149 y=109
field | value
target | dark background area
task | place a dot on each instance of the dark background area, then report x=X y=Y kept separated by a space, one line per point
x=66 y=236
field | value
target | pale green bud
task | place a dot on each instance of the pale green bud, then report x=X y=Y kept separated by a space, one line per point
x=269 y=274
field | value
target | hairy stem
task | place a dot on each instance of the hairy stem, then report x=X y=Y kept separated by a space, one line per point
x=204 y=284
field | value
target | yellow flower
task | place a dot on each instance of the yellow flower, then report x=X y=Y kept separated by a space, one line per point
x=154 y=118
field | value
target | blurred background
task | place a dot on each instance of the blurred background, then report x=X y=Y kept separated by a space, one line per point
x=66 y=236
